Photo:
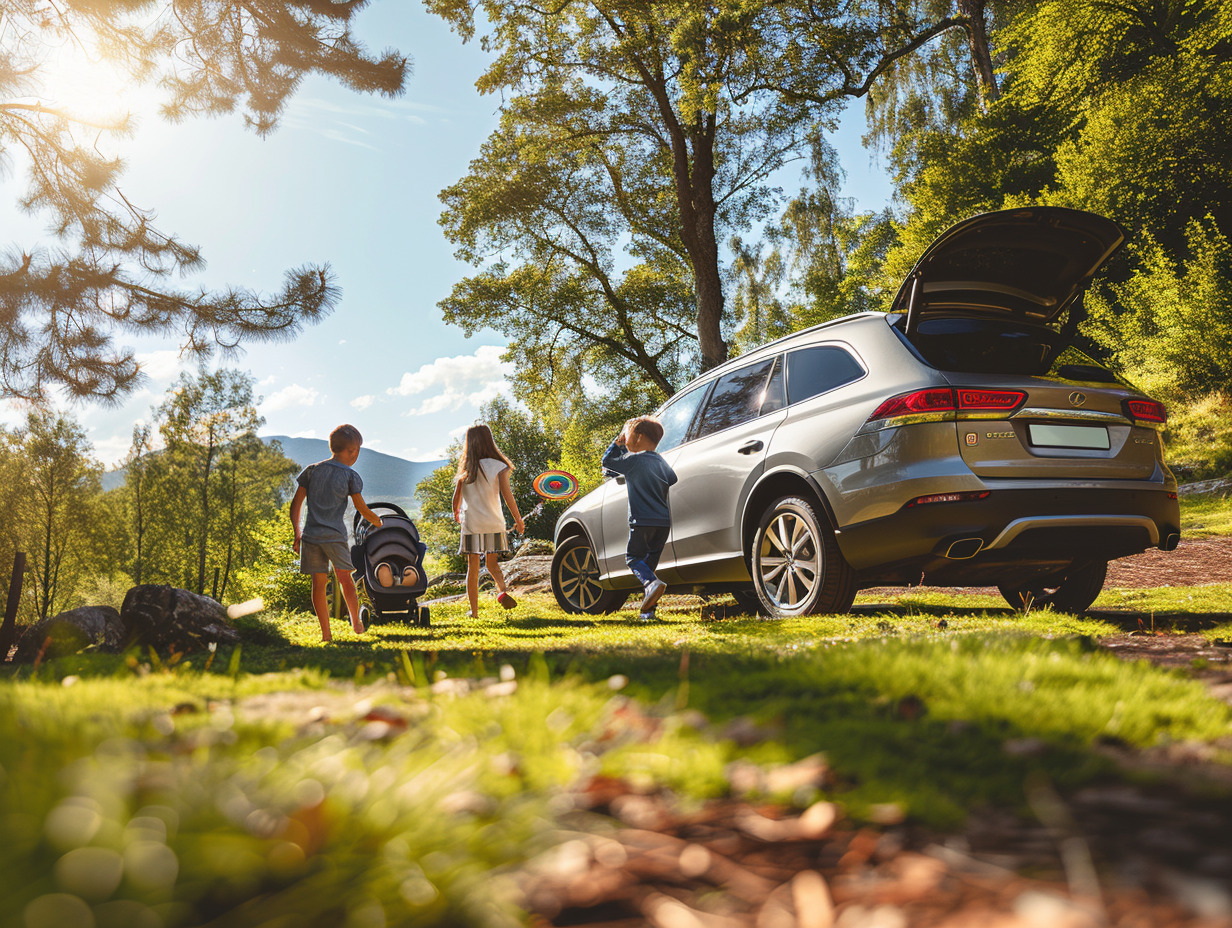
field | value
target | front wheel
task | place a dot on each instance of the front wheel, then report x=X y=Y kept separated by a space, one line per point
x=796 y=564
x=1071 y=590
x=575 y=580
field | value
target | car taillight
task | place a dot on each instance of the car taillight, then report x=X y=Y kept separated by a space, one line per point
x=921 y=402
x=939 y=403
x=971 y=400
x=1147 y=410
x=948 y=498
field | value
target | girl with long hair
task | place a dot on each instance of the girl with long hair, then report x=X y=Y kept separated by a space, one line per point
x=482 y=480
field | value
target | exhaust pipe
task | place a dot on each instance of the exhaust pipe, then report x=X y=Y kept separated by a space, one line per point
x=1170 y=542
x=964 y=549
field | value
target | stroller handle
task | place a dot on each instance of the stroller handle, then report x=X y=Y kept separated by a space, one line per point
x=391 y=507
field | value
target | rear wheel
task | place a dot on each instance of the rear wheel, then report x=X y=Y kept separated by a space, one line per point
x=796 y=564
x=1071 y=590
x=575 y=580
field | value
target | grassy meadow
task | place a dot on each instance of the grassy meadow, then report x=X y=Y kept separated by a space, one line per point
x=403 y=776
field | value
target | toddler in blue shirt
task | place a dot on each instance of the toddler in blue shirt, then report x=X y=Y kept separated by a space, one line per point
x=647 y=477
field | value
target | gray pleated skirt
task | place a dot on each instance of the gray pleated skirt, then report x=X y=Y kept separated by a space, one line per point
x=483 y=543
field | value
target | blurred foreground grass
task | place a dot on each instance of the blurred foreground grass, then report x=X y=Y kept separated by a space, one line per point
x=400 y=777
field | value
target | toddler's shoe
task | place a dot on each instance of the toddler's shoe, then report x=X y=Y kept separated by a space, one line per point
x=646 y=616
x=654 y=590
x=506 y=600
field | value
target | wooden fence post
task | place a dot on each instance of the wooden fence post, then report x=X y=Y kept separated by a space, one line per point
x=9 y=628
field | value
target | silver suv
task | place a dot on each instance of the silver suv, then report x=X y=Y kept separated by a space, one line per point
x=957 y=440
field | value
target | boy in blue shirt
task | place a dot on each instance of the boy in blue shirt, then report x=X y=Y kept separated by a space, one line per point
x=647 y=477
x=327 y=485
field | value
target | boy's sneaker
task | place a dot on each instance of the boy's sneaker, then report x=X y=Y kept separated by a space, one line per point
x=506 y=600
x=654 y=590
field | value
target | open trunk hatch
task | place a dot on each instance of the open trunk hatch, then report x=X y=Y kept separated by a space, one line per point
x=1003 y=291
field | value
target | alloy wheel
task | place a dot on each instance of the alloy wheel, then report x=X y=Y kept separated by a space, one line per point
x=791 y=560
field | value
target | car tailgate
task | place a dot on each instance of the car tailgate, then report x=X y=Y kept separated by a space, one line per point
x=1061 y=429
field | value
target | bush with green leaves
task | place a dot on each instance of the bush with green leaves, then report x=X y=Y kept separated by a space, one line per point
x=274 y=575
x=1168 y=326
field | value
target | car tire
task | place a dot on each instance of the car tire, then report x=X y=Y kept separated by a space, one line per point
x=575 y=580
x=796 y=564
x=1072 y=590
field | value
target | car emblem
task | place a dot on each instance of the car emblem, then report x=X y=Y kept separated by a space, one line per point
x=973 y=438
x=1077 y=399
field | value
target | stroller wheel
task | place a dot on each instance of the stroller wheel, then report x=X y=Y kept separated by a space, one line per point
x=424 y=617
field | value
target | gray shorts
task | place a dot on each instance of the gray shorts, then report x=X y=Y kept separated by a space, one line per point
x=316 y=556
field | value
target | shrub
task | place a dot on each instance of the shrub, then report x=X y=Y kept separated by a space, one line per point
x=274 y=574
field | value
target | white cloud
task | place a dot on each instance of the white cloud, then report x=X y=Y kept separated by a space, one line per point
x=289 y=397
x=161 y=366
x=111 y=451
x=363 y=402
x=432 y=454
x=306 y=433
x=455 y=382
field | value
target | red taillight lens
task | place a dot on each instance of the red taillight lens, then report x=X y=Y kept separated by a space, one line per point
x=935 y=399
x=1147 y=410
x=949 y=498
x=972 y=400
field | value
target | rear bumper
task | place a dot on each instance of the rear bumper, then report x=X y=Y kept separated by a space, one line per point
x=1015 y=528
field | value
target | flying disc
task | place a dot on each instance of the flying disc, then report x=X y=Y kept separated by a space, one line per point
x=556 y=484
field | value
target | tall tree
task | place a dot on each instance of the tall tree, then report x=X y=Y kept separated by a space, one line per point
x=111 y=270
x=54 y=505
x=214 y=478
x=652 y=128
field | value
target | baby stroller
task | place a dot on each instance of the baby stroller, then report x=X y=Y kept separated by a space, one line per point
x=395 y=543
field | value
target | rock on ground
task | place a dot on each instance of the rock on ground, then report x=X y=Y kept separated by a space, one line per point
x=69 y=632
x=167 y=618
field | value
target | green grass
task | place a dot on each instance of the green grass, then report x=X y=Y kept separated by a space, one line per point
x=263 y=787
x=1204 y=516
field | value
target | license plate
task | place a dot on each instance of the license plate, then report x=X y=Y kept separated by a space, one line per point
x=1094 y=437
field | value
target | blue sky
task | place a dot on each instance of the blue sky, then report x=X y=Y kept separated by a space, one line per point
x=351 y=180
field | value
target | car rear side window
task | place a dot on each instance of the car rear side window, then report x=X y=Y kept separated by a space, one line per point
x=817 y=370
x=737 y=397
x=677 y=416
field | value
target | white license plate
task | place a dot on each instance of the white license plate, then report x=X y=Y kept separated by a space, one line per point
x=1069 y=436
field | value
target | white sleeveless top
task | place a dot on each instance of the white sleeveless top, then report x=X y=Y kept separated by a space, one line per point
x=481 y=504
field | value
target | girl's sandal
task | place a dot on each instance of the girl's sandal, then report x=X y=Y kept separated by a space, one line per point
x=506 y=600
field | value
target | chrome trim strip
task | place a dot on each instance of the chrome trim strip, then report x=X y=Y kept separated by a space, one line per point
x=910 y=419
x=1086 y=415
x=1018 y=526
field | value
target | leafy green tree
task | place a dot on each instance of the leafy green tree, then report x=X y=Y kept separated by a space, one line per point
x=652 y=129
x=111 y=270
x=1133 y=126
x=756 y=302
x=57 y=493
x=214 y=479
x=1168 y=326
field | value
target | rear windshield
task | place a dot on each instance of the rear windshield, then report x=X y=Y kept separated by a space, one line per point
x=994 y=346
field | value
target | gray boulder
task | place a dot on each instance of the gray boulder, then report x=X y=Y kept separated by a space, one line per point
x=171 y=619
x=97 y=627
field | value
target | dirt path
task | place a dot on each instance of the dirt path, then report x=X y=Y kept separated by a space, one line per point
x=1194 y=562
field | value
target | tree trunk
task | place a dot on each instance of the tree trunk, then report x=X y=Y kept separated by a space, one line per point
x=981 y=55
x=203 y=540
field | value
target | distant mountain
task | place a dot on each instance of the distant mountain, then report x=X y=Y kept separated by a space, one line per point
x=387 y=478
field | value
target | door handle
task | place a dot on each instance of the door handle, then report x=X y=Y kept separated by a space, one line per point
x=750 y=446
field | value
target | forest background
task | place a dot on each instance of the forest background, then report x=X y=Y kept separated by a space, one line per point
x=624 y=227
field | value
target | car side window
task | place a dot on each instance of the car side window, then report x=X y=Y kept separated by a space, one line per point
x=677 y=416
x=817 y=370
x=737 y=397
x=776 y=389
